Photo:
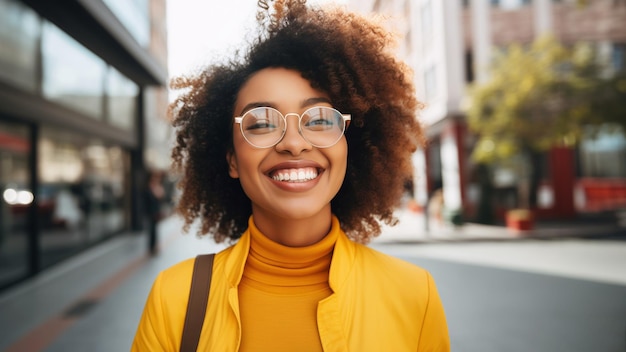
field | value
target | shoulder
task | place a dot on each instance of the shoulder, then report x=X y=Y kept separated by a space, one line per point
x=391 y=273
x=170 y=290
x=175 y=281
x=373 y=277
x=372 y=259
x=172 y=284
x=178 y=273
x=363 y=263
x=164 y=311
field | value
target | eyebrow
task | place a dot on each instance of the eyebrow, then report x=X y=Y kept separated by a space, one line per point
x=303 y=104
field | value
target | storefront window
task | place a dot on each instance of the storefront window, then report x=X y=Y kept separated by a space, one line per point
x=122 y=94
x=83 y=182
x=72 y=75
x=19 y=40
x=135 y=16
x=15 y=200
x=603 y=155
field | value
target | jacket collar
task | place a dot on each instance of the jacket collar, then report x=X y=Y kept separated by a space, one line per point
x=343 y=259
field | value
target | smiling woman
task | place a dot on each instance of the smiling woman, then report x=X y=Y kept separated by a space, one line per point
x=296 y=152
x=291 y=213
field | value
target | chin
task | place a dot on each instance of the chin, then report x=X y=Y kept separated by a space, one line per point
x=301 y=210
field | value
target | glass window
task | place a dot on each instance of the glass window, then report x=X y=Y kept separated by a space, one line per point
x=510 y=4
x=19 y=41
x=135 y=16
x=604 y=155
x=83 y=183
x=430 y=83
x=618 y=56
x=72 y=75
x=122 y=94
x=15 y=200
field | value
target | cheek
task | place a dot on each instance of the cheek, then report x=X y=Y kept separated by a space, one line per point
x=343 y=149
x=247 y=161
x=340 y=158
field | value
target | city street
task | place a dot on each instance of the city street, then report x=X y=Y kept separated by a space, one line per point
x=517 y=295
x=492 y=308
x=496 y=127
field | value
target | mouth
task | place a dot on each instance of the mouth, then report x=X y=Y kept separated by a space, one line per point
x=295 y=175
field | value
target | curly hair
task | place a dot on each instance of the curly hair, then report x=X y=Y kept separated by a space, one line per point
x=339 y=52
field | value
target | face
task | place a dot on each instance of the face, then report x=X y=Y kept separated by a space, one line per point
x=267 y=174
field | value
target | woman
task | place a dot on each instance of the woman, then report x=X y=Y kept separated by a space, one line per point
x=297 y=152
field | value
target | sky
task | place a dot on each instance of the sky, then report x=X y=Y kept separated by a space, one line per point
x=202 y=31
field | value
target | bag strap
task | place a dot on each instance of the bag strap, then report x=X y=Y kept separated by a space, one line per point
x=198 y=298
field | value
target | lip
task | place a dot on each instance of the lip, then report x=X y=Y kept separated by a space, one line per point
x=295 y=164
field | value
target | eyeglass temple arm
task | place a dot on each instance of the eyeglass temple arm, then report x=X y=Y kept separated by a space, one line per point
x=347 y=118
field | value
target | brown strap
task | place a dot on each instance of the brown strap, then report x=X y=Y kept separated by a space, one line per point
x=198 y=298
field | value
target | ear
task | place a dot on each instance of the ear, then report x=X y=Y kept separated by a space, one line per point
x=233 y=170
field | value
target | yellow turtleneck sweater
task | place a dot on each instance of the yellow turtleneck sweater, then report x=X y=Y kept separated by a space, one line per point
x=279 y=292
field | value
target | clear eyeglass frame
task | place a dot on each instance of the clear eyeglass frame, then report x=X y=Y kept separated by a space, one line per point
x=336 y=135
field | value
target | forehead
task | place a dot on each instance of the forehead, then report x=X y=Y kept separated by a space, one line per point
x=279 y=87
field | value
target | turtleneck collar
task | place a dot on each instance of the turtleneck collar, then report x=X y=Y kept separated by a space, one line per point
x=274 y=267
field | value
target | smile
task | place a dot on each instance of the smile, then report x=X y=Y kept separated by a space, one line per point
x=295 y=175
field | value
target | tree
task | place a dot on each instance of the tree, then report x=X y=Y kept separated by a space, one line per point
x=541 y=96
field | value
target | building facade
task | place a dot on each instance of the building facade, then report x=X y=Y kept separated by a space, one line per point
x=82 y=115
x=450 y=45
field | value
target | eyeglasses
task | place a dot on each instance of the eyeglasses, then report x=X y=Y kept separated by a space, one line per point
x=321 y=126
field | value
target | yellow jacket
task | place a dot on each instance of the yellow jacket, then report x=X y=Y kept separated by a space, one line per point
x=379 y=303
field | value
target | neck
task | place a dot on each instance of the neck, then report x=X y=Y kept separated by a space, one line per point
x=293 y=232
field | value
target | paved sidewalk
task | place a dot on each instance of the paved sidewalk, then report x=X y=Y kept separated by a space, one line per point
x=411 y=228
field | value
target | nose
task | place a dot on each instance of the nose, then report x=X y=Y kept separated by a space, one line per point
x=293 y=142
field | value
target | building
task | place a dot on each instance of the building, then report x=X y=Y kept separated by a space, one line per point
x=82 y=117
x=449 y=44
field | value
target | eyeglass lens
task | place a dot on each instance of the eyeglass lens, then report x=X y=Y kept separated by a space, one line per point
x=264 y=127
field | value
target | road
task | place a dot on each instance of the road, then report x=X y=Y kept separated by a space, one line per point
x=494 y=303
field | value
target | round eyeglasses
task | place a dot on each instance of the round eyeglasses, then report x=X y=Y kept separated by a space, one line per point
x=321 y=126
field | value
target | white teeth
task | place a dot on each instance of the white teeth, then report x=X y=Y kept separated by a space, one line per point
x=295 y=175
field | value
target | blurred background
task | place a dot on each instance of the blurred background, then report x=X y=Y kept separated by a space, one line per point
x=83 y=101
x=525 y=106
x=524 y=113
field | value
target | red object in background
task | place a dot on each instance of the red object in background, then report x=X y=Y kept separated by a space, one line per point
x=519 y=224
x=602 y=194
x=14 y=143
x=520 y=220
x=563 y=178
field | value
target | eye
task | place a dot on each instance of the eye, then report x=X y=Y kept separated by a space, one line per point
x=318 y=125
x=319 y=120
x=259 y=126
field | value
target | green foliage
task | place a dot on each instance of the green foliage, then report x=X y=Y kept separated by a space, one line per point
x=541 y=96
